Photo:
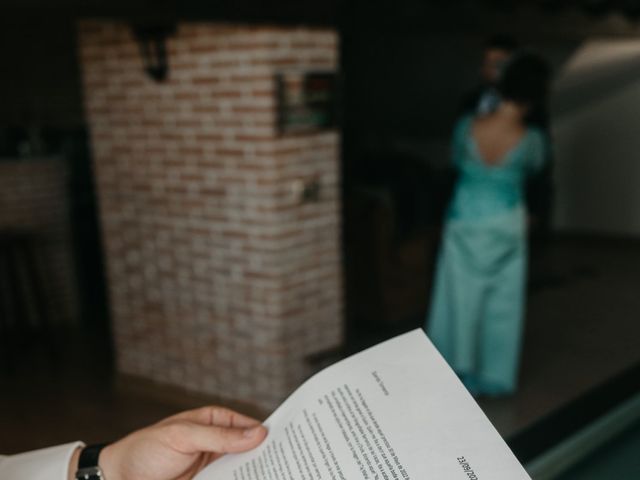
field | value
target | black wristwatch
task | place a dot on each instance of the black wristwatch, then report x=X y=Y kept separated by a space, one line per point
x=88 y=467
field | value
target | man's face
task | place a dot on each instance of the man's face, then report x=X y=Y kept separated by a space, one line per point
x=492 y=64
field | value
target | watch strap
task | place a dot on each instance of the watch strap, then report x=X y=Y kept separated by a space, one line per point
x=88 y=466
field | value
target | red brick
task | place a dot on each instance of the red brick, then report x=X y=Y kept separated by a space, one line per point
x=198 y=221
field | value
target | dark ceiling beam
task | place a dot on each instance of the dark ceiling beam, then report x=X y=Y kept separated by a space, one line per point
x=526 y=18
x=314 y=12
x=318 y=12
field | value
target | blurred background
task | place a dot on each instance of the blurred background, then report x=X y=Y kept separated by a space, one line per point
x=206 y=202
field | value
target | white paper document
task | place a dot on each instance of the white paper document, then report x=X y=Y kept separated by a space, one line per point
x=393 y=412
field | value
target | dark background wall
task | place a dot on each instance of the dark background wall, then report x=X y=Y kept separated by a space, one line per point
x=41 y=115
x=404 y=70
x=40 y=81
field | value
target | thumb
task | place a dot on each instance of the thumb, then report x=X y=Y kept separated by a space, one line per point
x=207 y=438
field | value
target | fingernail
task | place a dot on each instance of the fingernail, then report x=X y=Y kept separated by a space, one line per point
x=250 y=432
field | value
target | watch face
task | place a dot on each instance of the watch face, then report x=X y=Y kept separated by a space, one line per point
x=90 y=473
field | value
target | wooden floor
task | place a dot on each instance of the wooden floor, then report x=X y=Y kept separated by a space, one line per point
x=74 y=398
x=582 y=327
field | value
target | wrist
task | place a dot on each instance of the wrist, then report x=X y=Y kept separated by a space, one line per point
x=73 y=464
x=108 y=463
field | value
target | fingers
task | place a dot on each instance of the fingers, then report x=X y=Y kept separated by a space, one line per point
x=214 y=415
x=189 y=437
x=224 y=417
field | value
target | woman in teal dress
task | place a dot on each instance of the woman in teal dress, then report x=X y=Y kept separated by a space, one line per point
x=477 y=307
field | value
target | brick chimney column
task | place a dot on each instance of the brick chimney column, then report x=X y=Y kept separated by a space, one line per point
x=220 y=280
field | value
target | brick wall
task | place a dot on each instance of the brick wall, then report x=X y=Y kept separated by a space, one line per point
x=220 y=281
x=34 y=198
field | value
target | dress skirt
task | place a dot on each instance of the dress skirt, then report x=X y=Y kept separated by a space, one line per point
x=477 y=309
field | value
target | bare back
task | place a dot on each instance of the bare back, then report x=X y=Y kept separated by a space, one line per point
x=495 y=137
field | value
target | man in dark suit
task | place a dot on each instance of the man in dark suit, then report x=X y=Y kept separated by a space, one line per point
x=484 y=98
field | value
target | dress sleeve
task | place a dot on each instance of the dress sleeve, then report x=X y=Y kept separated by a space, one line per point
x=46 y=464
x=538 y=151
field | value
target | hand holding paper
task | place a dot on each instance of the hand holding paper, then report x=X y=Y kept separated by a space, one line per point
x=179 y=446
x=393 y=412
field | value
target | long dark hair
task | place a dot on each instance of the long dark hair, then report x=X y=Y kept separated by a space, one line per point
x=525 y=80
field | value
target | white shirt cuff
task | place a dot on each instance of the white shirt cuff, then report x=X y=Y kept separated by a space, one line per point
x=46 y=464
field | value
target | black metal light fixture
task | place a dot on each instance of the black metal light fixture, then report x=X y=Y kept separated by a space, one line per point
x=153 y=48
